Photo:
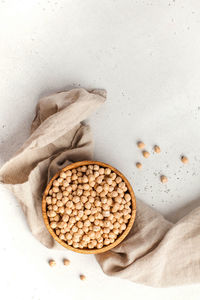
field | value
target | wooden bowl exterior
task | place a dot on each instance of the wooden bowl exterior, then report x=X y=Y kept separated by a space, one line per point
x=105 y=248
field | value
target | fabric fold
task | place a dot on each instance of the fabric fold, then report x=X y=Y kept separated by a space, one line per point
x=58 y=138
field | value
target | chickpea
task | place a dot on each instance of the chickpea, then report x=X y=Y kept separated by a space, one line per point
x=58 y=232
x=86 y=193
x=96 y=168
x=99 y=189
x=122 y=227
x=87 y=223
x=85 y=179
x=163 y=179
x=105 y=207
x=54 y=200
x=91 y=199
x=69 y=204
x=75 y=245
x=68 y=179
x=118 y=199
x=99 y=245
x=127 y=197
x=96 y=228
x=80 y=180
x=93 y=210
x=101 y=171
x=106 y=213
x=56 y=218
x=114 y=184
x=66 y=262
x=111 y=189
x=86 y=238
x=88 y=172
x=52 y=263
x=79 y=192
x=112 y=235
x=116 y=225
x=53 y=225
x=50 y=207
x=74 y=228
x=113 y=176
x=94 y=243
x=55 y=189
x=127 y=217
x=62 y=236
x=68 y=173
x=74 y=177
x=79 y=205
x=56 y=183
x=91 y=234
x=91 y=218
x=116 y=231
x=100 y=240
x=92 y=184
x=109 y=181
x=96 y=174
x=99 y=180
x=106 y=241
x=80 y=231
x=107 y=171
x=106 y=230
x=85 y=229
x=90 y=246
x=103 y=194
x=93 y=194
x=59 y=203
x=83 y=169
x=96 y=222
x=51 y=213
x=65 y=183
x=115 y=207
x=50 y=192
x=69 y=189
x=65 y=193
x=87 y=212
x=48 y=200
x=140 y=145
x=72 y=220
x=88 y=205
x=74 y=187
x=80 y=213
x=91 y=178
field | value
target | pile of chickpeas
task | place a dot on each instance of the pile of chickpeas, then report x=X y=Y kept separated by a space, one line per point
x=88 y=207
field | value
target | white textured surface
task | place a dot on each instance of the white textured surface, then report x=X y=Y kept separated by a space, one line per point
x=147 y=55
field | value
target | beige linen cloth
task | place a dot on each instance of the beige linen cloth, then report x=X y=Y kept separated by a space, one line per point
x=156 y=252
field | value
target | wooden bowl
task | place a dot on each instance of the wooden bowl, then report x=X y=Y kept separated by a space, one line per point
x=119 y=239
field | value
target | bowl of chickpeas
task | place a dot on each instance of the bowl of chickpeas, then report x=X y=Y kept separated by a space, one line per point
x=89 y=207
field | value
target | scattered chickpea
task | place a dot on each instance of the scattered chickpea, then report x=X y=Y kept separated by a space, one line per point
x=145 y=153
x=66 y=262
x=52 y=263
x=163 y=179
x=138 y=165
x=140 y=145
x=156 y=149
x=82 y=277
x=184 y=159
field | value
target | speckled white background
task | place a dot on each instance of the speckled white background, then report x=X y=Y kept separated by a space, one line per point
x=147 y=55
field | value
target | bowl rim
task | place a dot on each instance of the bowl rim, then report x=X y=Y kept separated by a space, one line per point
x=104 y=248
